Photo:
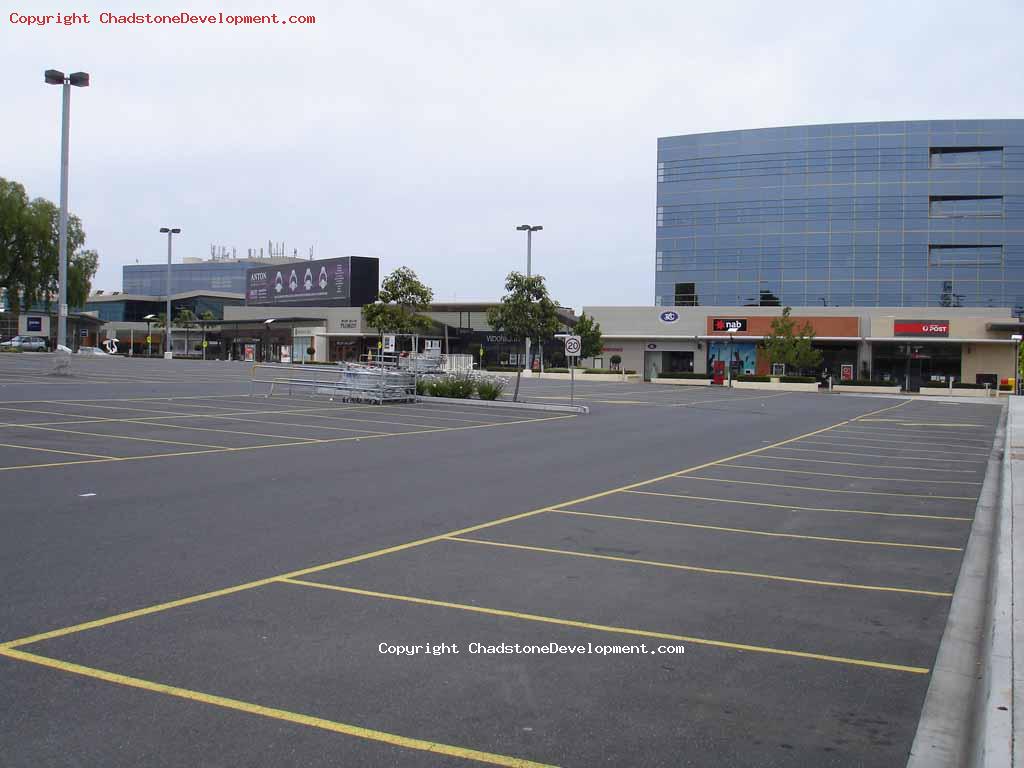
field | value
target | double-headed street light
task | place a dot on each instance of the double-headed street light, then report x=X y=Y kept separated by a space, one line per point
x=170 y=233
x=79 y=80
x=529 y=229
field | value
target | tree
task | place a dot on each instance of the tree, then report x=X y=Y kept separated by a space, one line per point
x=29 y=251
x=399 y=304
x=526 y=312
x=589 y=331
x=186 y=319
x=790 y=345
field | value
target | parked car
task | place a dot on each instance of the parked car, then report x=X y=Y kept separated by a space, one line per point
x=28 y=343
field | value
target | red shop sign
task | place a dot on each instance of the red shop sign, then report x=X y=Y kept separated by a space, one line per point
x=920 y=328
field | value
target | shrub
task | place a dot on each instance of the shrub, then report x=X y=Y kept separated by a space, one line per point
x=490 y=389
x=1006 y=387
x=753 y=378
x=450 y=386
x=864 y=383
x=616 y=360
x=502 y=368
x=684 y=375
x=606 y=370
x=422 y=385
x=797 y=379
x=439 y=388
x=556 y=370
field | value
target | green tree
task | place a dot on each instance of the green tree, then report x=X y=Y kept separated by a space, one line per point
x=789 y=345
x=402 y=299
x=589 y=331
x=29 y=247
x=526 y=312
x=186 y=319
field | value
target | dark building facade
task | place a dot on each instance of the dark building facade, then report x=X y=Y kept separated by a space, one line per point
x=349 y=281
x=897 y=214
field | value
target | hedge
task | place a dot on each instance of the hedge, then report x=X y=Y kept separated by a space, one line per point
x=753 y=378
x=798 y=379
x=503 y=368
x=608 y=370
x=865 y=383
x=956 y=385
x=680 y=375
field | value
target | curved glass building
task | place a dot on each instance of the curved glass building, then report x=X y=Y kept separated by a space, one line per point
x=894 y=214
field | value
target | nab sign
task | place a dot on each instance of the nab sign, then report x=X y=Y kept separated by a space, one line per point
x=728 y=325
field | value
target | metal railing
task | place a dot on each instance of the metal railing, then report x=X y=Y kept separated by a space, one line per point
x=347 y=382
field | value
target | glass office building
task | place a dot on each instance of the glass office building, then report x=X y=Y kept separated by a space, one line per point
x=895 y=214
x=151 y=279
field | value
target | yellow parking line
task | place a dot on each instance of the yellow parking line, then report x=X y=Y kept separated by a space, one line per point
x=801 y=509
x=54 y=450
x=700 y=569
x=757 y=533
x=611 y=629
x=894 y=444
x=856 y=442
x=830 y=490
x=433 y=747
x=855 y=464
x=955 y=460
x=905 y=423
x=125 y=437
x=852 y=477
x=913 y=437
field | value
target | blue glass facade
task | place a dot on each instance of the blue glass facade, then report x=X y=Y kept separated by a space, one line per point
x=151 y=279
x=914 y=214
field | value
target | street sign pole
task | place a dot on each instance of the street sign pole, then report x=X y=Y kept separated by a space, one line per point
x=573 y=347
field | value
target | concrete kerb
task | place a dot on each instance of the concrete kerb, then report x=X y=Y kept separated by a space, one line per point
x=503 y=404
x=948 y=728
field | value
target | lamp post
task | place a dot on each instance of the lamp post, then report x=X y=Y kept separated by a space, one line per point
x=171 y=232
x=79 y=80
x=149 y=339
x=529 y=229
x=1016 y=363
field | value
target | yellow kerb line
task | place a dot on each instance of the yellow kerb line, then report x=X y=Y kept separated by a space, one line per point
x=700 y=569
x=611 y=629
x=756 y=532
x=224 y=702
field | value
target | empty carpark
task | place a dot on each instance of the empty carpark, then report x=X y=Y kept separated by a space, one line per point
x=197 y=576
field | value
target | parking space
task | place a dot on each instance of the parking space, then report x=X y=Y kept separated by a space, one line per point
x=34 y=433
x=762 y=580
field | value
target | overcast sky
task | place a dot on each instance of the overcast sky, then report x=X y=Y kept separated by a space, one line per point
x=422 y=133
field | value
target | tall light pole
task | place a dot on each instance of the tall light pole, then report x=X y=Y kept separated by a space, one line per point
x=79 y=80
x=171 y=232
x=529 y=229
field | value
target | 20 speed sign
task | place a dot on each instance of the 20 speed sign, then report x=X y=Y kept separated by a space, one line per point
x=573 y=345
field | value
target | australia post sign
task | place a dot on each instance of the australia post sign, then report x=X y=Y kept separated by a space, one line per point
x=306 y=283
x=920 y=328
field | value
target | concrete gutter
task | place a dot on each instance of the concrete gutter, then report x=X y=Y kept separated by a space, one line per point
x=950 y=719
x=503 y=404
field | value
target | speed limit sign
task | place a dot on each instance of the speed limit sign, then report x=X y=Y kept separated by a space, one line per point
x=573 y=345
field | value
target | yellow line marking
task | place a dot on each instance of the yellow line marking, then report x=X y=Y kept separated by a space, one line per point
x=882 y=456
x=915 y=437
x=905 y=423
x=856 y=442
x=126 y=437
x=295 y=442
x=757 y=533
x=54 y=450
x=801 y=509
x=390 y=550
x=831 y=490
x=611 y=629
x=700 y=569
x=893 y=445
x=855 y=464
x=853 y=477
x=273 y=713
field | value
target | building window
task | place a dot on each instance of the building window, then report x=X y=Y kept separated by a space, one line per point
x=965 y=255
x=962 y=206
x=686 y=295
x=965 y=157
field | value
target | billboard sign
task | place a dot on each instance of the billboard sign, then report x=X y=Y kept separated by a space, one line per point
x=34 y=324
x=920 y=328
x=846 y=372
x=729 y=325
x=305 y=283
